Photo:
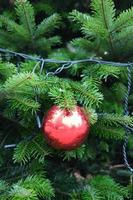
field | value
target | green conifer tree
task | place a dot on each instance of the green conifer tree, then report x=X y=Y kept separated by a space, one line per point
x=24 y=33
x=33 y=170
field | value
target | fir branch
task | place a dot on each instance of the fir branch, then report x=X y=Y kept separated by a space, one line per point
x=124 y=20
x=18 y=80
x=104 y=11
x=48 y=42
x=21 y=193
x=84 y=152
x=83 y=43
x=103 y=72
x=107 y=132
x=48 y=25
x=79 y=17
x=116 y=120
x=23 y=104
x=40 y=185
x=22 y=34
x=100 y=23
x=25 y=13
x=108 y=188
x=85 y=194
x=7 y=69
x=62 y=95
x=32 y=188
x=13 y=27
x=124 y=36
x=38 y=151
x=90 y=27
x=107 y=26
x=22 y=153
x=87 y=94
x=35 y=148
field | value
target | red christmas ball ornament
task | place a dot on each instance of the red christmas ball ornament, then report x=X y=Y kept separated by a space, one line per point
x=65 y=129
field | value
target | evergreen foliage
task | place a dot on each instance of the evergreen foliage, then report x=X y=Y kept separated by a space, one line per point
x=34 y=170
x=101 y=187
x=30 y=188
x=35 y=148
x=24 y=33
x=104 y=32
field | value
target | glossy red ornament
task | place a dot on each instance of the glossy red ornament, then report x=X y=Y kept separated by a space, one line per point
x=65 y=129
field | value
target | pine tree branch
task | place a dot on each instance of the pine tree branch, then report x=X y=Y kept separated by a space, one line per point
x=39 y=147
x=17 y=80
x=123 y=20
x=28 y=23
x=106 y=25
